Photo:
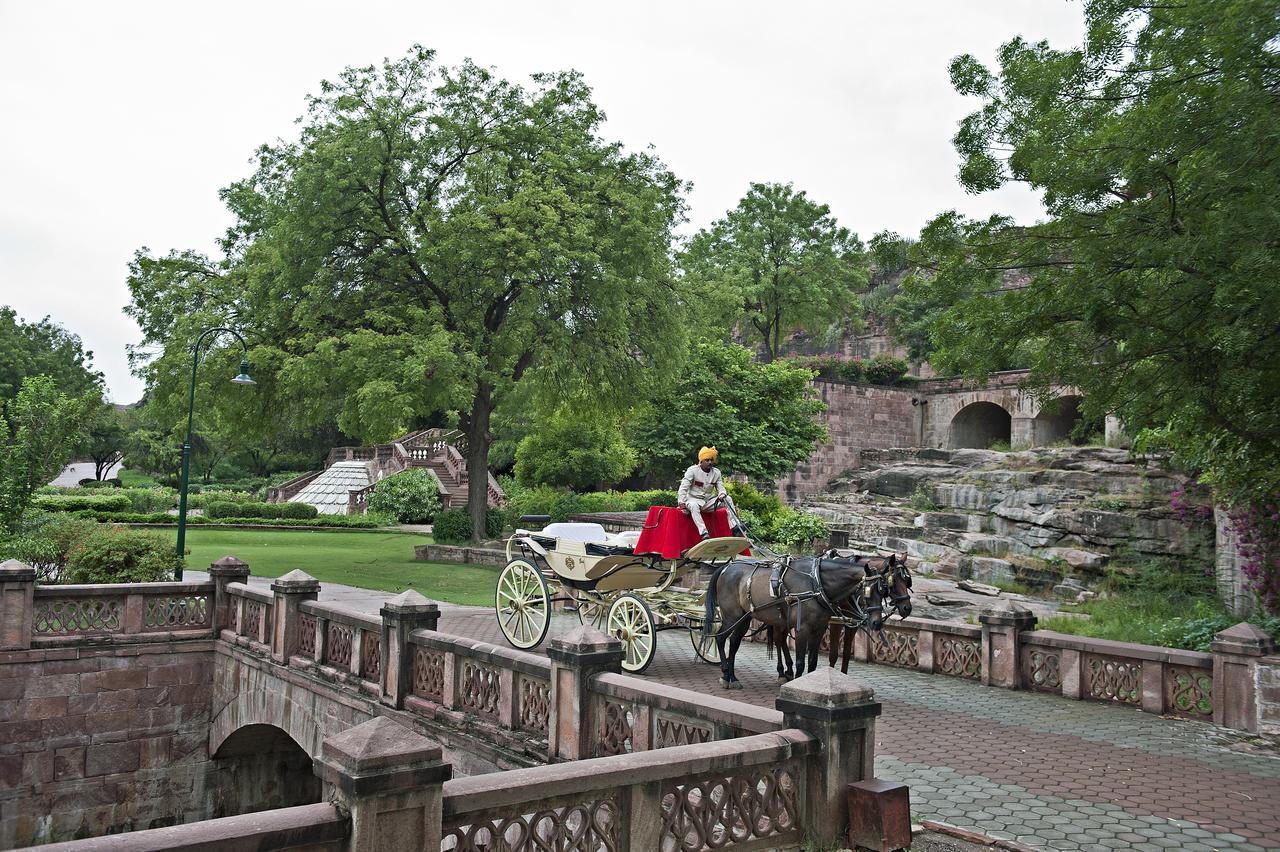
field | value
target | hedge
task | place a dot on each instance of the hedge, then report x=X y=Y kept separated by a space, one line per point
x=76 y=503
x=354 y=521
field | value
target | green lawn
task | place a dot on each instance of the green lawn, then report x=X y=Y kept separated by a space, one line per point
x=371 y=560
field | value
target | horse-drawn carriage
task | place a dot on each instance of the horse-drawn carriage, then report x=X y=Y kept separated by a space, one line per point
x=624 y=584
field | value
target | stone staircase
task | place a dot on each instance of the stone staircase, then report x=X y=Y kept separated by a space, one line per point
x=439 y=451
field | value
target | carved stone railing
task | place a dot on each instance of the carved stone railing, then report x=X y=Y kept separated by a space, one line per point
x=286 y=491
x=134 y=612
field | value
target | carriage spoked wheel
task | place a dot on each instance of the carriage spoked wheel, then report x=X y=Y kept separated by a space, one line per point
x=631 y=621
x=523 y=604
x=705 y=646
x=591 y=612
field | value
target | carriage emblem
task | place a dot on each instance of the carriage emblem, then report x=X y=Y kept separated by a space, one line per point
x=569 y=563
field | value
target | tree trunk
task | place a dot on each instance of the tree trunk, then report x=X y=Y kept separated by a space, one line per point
x=478 y=438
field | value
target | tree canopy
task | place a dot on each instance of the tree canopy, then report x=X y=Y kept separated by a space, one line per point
x=762 y=417
x=436 y=237
x=776 y=264
x=1154 y=285
x=43 y=348
x=39 y=430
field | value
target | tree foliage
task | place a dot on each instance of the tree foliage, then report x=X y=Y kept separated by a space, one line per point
x=761 y=417
x=575 y=449
x=105 y=439
x=436 y=237
x=776 y=264
x=40 y=429
x=43 y=348
x=1154 y=286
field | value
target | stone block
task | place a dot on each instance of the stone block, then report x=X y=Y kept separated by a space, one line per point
x=129 y=678
x=110 y=758
x=879 y=815
x=43 y=708
x=68 y=763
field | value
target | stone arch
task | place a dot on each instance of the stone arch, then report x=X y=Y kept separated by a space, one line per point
x=1056 y=420
x=979 y=425
x=260 y=767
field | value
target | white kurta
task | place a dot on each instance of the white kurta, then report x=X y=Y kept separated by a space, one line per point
x=699 y=487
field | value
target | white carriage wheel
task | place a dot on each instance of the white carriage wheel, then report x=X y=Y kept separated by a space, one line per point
x=590 y=612
x=523 y=604
x=709 y=652
x=631 y=621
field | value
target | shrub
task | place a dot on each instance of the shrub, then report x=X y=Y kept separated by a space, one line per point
x=604 y=501
x=884 y=370
x=44 y=542
x=150 y=499
x=523 y=501
x=639 y=501
x=452 y=527
x=796 y=528
x=493 y=523
x=115 y=555
x=922 y=498
x=75 y=503
x=852 y=371
x=411 y=496
x=221 y=509
x=298 y=510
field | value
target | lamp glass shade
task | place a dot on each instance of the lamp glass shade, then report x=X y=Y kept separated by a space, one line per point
x=243 y=378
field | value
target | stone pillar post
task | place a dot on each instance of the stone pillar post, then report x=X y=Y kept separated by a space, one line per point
x=1233 y=585
x=840 y=712
x=575 y=658
x=1001 y=624
x=403 y=614
x=226 y=570
x=17 y=604
x=1022 y=432
x=290 y=591
x=390 y=780
x=1236 y=651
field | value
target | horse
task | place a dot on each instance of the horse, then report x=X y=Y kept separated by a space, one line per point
x=813 y=588
x=895 y=586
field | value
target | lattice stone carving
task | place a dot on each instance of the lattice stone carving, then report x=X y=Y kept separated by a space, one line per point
x=1189 y=692
x=428 y=674
x=1044 y=669
x=371 y=656
x=958 y=657
x=337 y=650
x=253 y=615
x=674 y=731
x=616 y=728
x=535 y=710
x=307 y=635
x=77 y=615
x=590 y=826
x=896 y=648
x=481 y=689
x=1115 y=680
x=719 y=811
x=167 y=613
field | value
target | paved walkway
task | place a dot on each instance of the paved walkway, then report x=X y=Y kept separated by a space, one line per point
x=1042 y=770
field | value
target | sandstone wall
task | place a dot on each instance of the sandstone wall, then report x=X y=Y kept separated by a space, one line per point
x=98 y=740
x=858 y=417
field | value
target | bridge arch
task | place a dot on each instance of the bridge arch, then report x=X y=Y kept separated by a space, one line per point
x=1057 y=419
x=260 y=767
x=979 y=425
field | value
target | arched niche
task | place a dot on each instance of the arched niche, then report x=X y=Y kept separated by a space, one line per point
x=260 y=767
x=979 y=425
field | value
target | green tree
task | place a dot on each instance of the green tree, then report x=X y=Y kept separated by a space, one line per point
x=762 y=417
x=575 y=451
x=776 y=264
x=105 y=440
x=437 y=237
x=43 y=349
x=1154 y=286
x=40 y=428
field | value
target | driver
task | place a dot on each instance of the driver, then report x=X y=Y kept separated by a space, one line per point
x=702 y=488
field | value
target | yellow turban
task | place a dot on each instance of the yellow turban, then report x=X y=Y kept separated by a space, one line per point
x=708 y=453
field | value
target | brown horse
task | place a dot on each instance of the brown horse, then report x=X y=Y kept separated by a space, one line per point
x=813 y=589
x=895 y=582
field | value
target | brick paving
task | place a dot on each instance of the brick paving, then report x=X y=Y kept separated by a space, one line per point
x=1047 y=772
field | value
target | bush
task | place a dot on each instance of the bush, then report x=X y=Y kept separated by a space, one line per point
x=44 y=542
x=371 y=521
x=298 y=511
x=604 y=501
x=640 y=501
x=150 y=499
x=95 y=483
x=922 y=498
x=221 y=509
x=411 y=496
x=76 y=503
x=565 y=506
x=452 y=527
x=884 y=370
x=852 y=372
x=116 y=555
x=796 y=528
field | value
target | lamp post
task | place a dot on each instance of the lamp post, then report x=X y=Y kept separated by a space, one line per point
x=242 y=379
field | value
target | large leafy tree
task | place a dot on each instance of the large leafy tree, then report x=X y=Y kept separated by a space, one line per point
x=39 y=431
x=436 y=238
x=1154 y=285
x=43 y=348
x=762 y=417
x=776 y=264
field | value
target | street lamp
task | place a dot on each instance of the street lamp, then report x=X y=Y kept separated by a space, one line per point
x=242 y=379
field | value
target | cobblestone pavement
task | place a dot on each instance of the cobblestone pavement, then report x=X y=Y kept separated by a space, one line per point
x=1047 y=772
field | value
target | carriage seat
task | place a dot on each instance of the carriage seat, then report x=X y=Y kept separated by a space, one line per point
x=595 y=541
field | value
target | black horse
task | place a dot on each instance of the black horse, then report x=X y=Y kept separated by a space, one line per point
x=812 y=590
x=895 y=586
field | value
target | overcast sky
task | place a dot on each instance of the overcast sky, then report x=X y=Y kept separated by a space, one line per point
x=123 y=119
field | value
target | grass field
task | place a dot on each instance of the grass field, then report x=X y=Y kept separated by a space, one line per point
x=370 y=560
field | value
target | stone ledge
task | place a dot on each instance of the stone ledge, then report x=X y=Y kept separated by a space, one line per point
x=1111 y=648
x=457 y=553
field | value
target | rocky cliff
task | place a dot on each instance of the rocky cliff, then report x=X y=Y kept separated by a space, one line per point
x=1032 y=516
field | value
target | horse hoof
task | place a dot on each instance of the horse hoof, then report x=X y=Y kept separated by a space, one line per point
x=783 y=678
x=731 y=684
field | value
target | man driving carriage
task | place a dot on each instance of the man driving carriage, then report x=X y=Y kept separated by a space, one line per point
x=702 y=489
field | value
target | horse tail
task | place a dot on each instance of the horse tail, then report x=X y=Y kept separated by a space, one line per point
x=710 y=614
x=768 y=643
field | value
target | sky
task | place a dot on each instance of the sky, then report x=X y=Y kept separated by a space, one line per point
x=122 y=120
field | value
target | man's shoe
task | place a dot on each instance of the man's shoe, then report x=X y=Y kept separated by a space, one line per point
x=739 y=531
x=706 y=536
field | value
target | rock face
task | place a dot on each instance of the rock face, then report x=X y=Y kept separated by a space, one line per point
x=1032 y=516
